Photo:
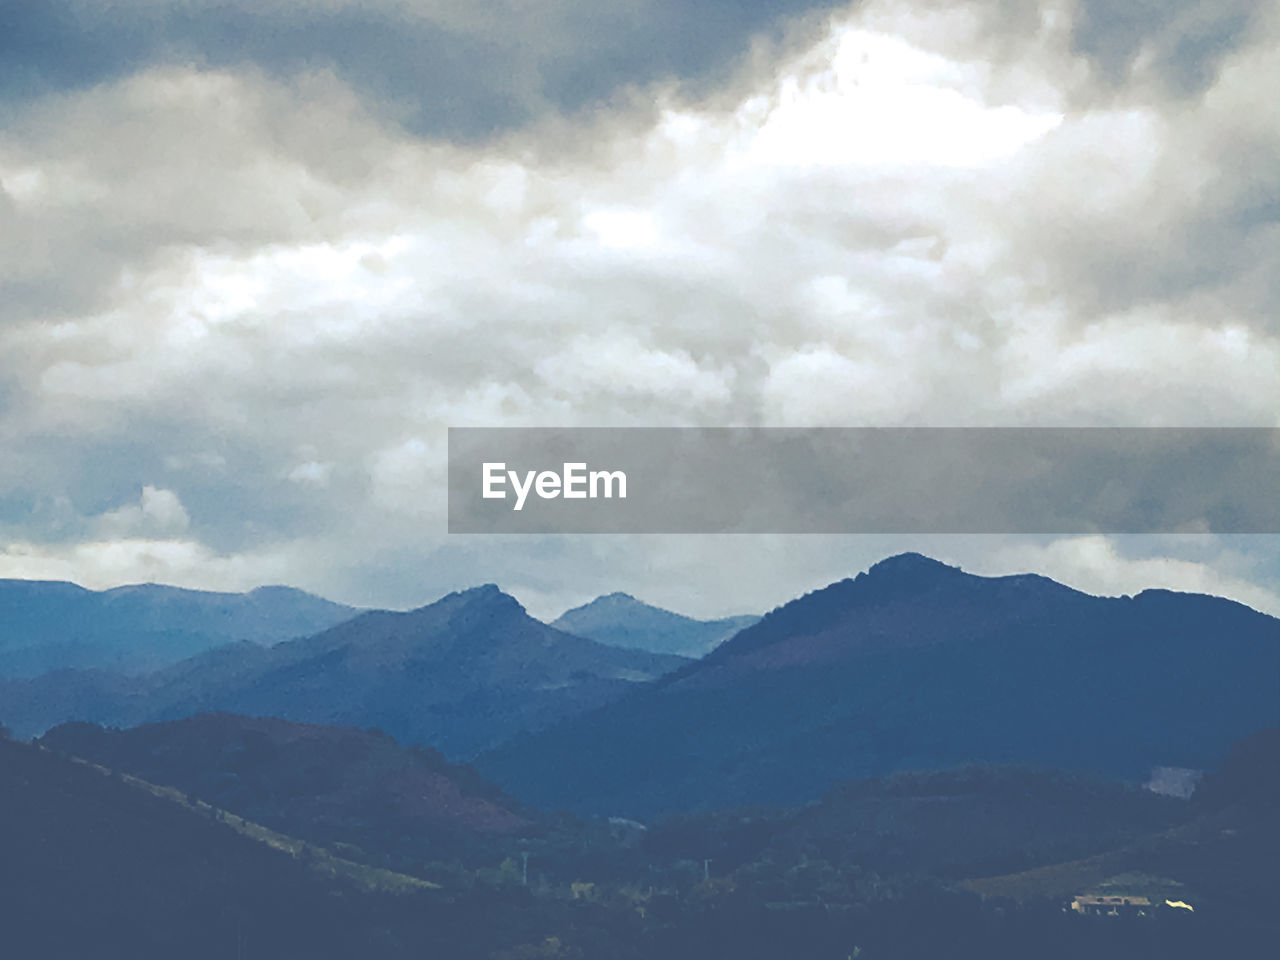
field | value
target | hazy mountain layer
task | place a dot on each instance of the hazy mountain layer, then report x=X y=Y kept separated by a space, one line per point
x=621 y=620
x=462 y=675
x=53 y=625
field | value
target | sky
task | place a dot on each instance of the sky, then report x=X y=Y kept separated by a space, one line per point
x=257 y=257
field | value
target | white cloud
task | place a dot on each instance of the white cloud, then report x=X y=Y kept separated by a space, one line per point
x=876 y=100
x=620 y=364
x=99 y=565
x=157 y=512
x=408 y=479
x=820 y=387
x=623 y=229
x=311 y=473
x=1095 y=565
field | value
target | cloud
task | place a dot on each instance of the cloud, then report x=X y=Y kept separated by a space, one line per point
x=876 y=100
x=1183 y=44
x=311 y=472
x=407 y=478
x=159 y=511
x=454 y=68
x=263 y=258
x=100 y=564
x=823 y=387
x=621 y=365
x=1099 y=565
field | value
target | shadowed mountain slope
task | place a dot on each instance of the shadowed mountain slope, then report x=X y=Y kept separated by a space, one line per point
x=97 y=866
x=917 y=665
x=312 y=781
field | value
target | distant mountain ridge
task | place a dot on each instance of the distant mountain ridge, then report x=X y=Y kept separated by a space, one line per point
x=55 y=625
x=461 y=674
x=621 y=620
x=917 y=665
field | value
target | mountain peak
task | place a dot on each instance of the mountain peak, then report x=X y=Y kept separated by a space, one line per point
x=620 y=620
x=488 y=595
x=612 y=605
x=606 y=604
x=278 y=590
x=487 y=598
x=910 y=566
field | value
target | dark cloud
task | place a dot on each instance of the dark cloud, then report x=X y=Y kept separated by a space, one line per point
x=695 y=43
x=1201 y=222
x=64 y=45
x=235 y=488
x=1187 y=39
x=460 y=73
x=440 y=80
x=455 y=75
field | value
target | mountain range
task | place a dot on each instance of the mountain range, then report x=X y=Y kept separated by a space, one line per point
x=911 y=665
x=916 y=665
x=462 y=675
x=53 y=625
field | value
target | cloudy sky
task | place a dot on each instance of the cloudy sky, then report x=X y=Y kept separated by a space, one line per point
x=256 y=257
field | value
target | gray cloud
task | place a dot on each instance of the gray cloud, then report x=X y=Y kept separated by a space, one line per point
x=233 y=270
x=1184 y=43
x=468 y=71
x=1172 y=49
x=456 y=70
